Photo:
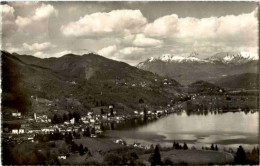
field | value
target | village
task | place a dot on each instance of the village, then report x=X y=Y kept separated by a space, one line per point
x=91 y=125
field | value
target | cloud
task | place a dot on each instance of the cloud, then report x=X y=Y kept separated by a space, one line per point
x=243 y=26
x=131 y=50
x=102 y=24
x=44 y=12
x=37 y=19
x=7 y=11
x=22 y=4
x=72 y=9
x=7 y=17
x=22 y=22
x=139 y=40
x=129 y=54
x=10 y=48
x=206 y=35
x=107 y=51
x=41 y=54
x=142 y=41
x=37 y=46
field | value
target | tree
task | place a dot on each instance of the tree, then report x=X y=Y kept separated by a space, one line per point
x=141 y=101
x=54 y=119
x=167 y=161
x=134 y=155
x=112 y=159
x=93 y=131
x=74 y=134
x=253 y=157
x=101 y=103
x=155 y=158
x=240 y=157
x=68 y=138
x=86 y=133
x=185 y=147
x=111 y=112
x=70 y=116
x=151 y=147
x=97 y=104
x=216 y=147
x=76 y=115
x=145 y=113
x=102 y=111
x=81 y=150
x=65 y=117
x=174 y=145
x=74 y=147
x=212 y=147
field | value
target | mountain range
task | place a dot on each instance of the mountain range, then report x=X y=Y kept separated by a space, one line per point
x=89 y=80
x=188 y=69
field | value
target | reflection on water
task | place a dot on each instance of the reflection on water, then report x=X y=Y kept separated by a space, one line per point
x=227 y=129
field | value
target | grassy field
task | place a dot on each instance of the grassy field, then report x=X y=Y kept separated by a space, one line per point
x=195 y=157
x=98 y=147
x=98 y=144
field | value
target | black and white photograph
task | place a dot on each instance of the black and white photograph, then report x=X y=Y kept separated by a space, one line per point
x=129 y=83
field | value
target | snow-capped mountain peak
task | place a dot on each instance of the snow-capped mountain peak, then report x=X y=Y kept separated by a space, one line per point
x=249 y=55
x=179 y=58
x=233 y=57
x=151 y=59
x=194 y=54
x=222 y=57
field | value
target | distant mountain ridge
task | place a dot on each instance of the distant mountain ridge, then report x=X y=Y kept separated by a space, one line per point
x=188 y=69
x=223 y=57
x=233 y=57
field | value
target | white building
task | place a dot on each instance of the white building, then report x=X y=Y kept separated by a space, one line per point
x=15 y=131
x=62 y=157
x=21 y=131
x=16 y=114
x=72 y=121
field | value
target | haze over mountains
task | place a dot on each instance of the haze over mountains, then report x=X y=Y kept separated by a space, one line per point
x=187 y=70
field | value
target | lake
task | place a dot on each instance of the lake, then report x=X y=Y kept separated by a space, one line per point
x=227 y=130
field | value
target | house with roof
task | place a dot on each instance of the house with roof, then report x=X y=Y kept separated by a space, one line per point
x=21 y=131
x=92 y=120
x=45 y=130
x=15 y=131
x=69 y=129
x=62 y=156
x=72 y=121
x=97 y=126
x=137 y=145
x=85 y=121
x=17 y=114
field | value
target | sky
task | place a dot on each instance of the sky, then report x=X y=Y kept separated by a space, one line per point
x=129 y=31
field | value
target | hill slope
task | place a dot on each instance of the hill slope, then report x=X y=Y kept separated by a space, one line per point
x=205 y=88
x=241 y=81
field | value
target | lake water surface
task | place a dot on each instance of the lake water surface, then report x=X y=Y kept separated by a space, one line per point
x=226 y=130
